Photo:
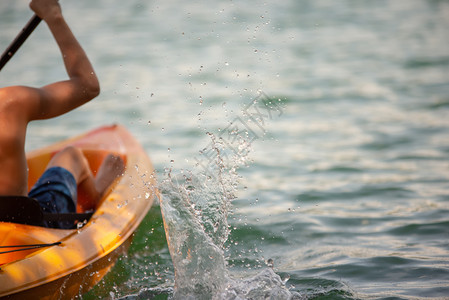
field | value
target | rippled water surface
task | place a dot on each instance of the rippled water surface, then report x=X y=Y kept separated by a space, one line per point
x=336 y=112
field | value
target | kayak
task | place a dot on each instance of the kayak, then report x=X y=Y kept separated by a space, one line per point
x=45 y=263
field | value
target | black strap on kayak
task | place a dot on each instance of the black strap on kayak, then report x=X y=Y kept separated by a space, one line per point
x=25 y=210
x=71 y=217
x=16 y=248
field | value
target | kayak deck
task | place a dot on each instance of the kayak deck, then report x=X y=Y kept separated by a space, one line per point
x=106 y=234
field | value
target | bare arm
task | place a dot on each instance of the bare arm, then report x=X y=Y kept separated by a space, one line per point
x=60 y=97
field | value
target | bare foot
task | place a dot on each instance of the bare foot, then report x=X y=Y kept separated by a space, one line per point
x=111 y=168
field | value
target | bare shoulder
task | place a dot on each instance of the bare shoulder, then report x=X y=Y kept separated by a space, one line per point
x=15 y=111
x=17 y=92
x=22 y=100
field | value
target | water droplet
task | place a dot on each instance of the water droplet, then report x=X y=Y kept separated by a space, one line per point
x=285 y=279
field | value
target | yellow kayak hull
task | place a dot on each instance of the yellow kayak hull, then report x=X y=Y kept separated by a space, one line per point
x=84 y=255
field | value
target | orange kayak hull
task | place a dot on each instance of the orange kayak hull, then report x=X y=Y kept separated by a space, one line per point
x=84 y=255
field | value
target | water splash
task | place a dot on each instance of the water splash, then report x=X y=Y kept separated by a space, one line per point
x=195 y=207
x=195 y=220
x=265 y=285
x=195 y=235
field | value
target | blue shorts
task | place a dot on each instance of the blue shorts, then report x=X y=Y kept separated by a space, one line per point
x=56 y=193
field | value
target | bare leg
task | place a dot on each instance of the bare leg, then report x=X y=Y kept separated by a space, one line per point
x=111 y=168
x=91 y=189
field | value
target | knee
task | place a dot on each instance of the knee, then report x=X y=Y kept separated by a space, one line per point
x=72 y=159
x=72 y=153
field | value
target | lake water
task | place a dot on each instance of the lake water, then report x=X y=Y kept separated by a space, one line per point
x=317 y=132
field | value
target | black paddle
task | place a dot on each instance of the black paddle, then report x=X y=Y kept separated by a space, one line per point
x=19 y=40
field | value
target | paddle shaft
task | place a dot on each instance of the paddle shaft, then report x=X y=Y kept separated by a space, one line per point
x=19 y=40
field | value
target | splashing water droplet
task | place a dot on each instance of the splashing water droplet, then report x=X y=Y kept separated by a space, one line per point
x=285 y=279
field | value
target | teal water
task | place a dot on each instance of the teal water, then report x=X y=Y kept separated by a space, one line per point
x=341 y=190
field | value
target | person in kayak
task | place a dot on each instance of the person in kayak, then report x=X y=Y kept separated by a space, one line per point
x=68 y=171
